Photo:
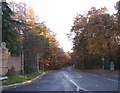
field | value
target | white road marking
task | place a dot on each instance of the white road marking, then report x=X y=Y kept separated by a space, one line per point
x=38 y=87
x=97 y=85
x=78 y=88
x=107 y=78
x=111 y=80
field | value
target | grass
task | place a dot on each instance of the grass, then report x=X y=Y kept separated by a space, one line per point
x=20 y=78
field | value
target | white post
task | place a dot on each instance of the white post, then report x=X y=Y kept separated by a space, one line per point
x=112 y=66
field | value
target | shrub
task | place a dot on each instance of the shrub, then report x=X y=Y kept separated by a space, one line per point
x=11 y=71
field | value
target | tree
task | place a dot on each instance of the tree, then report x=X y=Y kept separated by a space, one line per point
x=9 y=33
x=117 y=7
x=95 y=36
x=37 y=40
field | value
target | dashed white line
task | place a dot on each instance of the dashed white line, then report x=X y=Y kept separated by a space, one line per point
x=111 y=80
x=107 y=78
x=97 y=85
x=78 y=88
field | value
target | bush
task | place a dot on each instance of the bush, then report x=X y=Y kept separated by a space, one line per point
x=11 y=71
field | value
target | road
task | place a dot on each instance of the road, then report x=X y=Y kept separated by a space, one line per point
x=69 y=79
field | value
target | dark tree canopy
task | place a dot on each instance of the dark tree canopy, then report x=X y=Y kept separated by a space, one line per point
x=9 y=33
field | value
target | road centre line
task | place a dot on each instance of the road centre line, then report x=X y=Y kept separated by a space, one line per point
x=78 y=88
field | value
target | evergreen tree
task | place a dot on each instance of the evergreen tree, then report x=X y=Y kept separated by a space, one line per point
x=9 y=33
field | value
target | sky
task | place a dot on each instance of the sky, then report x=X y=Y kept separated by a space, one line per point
x=59 y=14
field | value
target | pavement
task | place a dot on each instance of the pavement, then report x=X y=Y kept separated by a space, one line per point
x=70 y=80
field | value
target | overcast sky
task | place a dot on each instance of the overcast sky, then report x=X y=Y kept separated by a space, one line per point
x=59 y=14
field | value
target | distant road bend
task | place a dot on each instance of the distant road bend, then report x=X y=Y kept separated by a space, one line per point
x=69 y=79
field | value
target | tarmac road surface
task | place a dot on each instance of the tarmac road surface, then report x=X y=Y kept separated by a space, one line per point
x=72 y=80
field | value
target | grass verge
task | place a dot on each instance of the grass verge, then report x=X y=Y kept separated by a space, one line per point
x=20 y=78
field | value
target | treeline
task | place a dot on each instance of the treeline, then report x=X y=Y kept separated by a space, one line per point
x=25 y=35
x=96 y=36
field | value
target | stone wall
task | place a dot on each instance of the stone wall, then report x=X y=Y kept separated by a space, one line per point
x=3 y=61
x=7 y=61
x=16 y=62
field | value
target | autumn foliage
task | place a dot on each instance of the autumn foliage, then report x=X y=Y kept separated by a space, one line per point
x=36 y=41
x=96 y=35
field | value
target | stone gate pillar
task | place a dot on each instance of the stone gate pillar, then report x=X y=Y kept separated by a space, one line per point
x=3 y=59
